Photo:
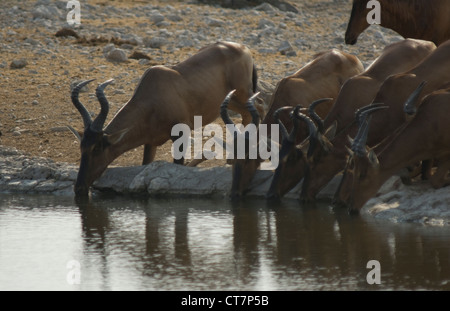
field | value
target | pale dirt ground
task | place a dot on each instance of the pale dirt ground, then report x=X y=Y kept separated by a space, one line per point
x=39 y=123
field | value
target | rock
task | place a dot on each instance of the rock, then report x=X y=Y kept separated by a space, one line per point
x=213 y=22
x=139 y=55
x=266 y=7
x=117 y=55
x=154 y=42
x=267 y=51
x=285 y=48
x=31 y=41
x=18 y=63
x=144 y=61
x=127 y=46
x=174 y=17
x=47 y=12
x=66 y=32
x=164 y=178
x=185 y=42
x=418 y=203
x=287 y=7
x=22 y=173
x=302 y=44
x=263 y=23
x=38 y=171
x=108 y=48
x=156 y=17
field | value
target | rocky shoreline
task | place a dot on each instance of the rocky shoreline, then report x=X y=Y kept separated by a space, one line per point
x=20 y=173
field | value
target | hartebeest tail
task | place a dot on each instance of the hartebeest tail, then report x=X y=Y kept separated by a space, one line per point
x=164 y=97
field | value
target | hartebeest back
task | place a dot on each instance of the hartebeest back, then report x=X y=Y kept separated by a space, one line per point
x=165 y=96
x=426 y=136
x=322 y=77
x=327 y=159
x=419 y=19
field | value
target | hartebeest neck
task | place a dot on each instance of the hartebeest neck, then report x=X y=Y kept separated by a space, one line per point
x=133 y=138
x=404 y=149
x=408 y=18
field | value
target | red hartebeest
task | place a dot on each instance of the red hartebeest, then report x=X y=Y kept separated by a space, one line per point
x=327 y=153
x=322 y=77
x=393 y=93
x=426 y=136
x=164 y=97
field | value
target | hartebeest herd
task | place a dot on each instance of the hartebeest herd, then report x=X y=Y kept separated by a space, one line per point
x=335 y=117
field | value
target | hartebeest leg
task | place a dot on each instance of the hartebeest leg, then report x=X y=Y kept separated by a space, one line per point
x=149 y=154
x=427 y=165
x=441 y=177
x=181 y=150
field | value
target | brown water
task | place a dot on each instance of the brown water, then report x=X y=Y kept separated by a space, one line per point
x=118 y=243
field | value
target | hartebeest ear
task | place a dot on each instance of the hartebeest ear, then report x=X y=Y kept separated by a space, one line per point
x=116 y=137
x=77 y=134
x=304 y=147
x=373 y=159
x=350 y=140
x=331 y=131
x=325 y=142
x=349 y=151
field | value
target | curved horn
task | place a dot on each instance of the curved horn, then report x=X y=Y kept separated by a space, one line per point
x=283 y=129
x=97 y=124
x=312 y=132
x=409 y=108
x=360 y=111
x=80 y=107
x=313 y=114
x=312 y=128
x=362 y=116
x=224 y=106
x=359 y=144
x=293 y=135
x=250 y=106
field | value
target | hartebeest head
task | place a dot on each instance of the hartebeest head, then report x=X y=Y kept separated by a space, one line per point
x=94 y=143
x=294 y=159
x=243 y=169
x=360 y=156
x=358 y=21
x=358 y=149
